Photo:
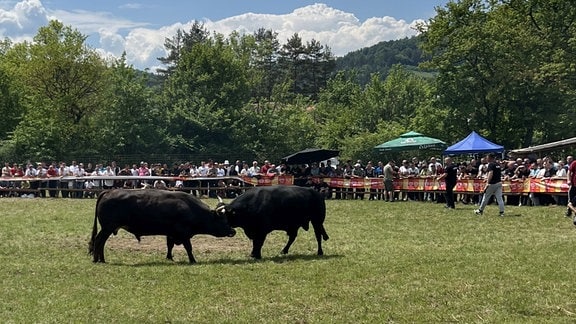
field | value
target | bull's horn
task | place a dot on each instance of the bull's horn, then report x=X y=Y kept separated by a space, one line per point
x=220 y=200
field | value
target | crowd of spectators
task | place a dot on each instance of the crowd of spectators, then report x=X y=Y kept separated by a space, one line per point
x=49 y=183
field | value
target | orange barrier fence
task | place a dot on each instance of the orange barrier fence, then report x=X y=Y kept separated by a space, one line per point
x=520 y=186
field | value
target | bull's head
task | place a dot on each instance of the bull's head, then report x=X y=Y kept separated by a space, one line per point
x=221 y=215
x=224 y=210
x=220 y=206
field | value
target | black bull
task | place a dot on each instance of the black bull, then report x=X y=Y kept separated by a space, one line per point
x=177 y=215
x=262 y=210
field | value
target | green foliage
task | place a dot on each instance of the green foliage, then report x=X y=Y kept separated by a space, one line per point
x=277 y=130
x=182 y=42
x=355 y=119
x=502 y=68
x=405 y=262
x=61 y=82
x=380 y=58
x=10 y=108
x=204 y=95
x=128 y=121
x=308 y=65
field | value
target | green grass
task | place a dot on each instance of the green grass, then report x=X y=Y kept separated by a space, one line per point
x=401 y=262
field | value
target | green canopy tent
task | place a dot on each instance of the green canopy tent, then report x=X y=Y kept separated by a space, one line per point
x=411 y=141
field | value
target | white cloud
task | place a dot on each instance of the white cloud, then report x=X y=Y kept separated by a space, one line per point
x=23 y=20
x=131 y=6
x=112 y=35
x=90 y=22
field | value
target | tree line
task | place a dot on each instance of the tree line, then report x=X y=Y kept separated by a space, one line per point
x=502 y=68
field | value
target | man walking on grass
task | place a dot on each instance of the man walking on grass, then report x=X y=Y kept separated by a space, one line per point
x=450 y=177
x=493 y=186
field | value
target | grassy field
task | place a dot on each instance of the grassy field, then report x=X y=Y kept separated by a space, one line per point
x=385 y=262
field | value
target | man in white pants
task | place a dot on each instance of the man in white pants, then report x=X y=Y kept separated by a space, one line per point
x=493 y=186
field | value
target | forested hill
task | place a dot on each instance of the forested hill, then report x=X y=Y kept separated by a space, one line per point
x=381 y=57
x=378 y=58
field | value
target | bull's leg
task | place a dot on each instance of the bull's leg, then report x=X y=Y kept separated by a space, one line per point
x=257 y=243
x=99 y=242
x=320 y=233
x=170 y=246
x=291 y=237
x=188 y=247
x=319 y=240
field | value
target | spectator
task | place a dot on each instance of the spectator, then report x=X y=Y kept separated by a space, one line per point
x=52 y=174
x=160 y=184
x=245 y=171
x=328 y=169
x=127 y=184
x=510 y=173
x=79 y=183
x=404 y=172
x=388 y=175
x=272 y=171
x=282 y=169
x=254 y=170
x=569 y=160
x=358 y=173
x=6 y=173
x=314 y=170
x=41 y=173
x=560 y=174
x=464 y=174
x=238 y=166
x=264 y=169
x=435 y=164
x=482 y=168
x=226 y=167
x=370 y=172
x=143 y=170
x=115 y=168
x=89 y=186
x=109 y=174
x=347 y=192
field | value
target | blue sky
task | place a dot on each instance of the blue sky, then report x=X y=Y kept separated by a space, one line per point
x=140 y=27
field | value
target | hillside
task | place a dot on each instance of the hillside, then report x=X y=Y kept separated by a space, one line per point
x=381 y=57
x=378 y=58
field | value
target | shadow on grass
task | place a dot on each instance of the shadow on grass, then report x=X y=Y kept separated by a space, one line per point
x=247 y=260
x=512 y=215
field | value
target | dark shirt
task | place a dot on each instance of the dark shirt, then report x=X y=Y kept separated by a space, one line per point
x=451 y=173
x=496 y=172
x=509 y=172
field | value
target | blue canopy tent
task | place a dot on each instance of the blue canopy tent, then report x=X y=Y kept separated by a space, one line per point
x=472 y=144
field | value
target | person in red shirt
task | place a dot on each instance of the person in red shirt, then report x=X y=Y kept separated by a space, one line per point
x=52 y=174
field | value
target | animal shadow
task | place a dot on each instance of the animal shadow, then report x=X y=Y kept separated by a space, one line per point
x=247 y=260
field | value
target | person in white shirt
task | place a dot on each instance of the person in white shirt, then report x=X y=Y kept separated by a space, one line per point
x=245 y=170
x=72 y=171
x=220 y=171
x=254 y=169
x=108 y=172
x=79 y=184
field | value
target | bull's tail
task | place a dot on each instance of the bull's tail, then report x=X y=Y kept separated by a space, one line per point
x=325 y=236
x=95 y=226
